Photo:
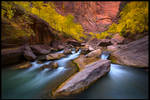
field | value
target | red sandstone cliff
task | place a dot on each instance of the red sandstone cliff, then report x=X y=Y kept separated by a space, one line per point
x=93 y=16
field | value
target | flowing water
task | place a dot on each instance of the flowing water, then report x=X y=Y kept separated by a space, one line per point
x=121 y=82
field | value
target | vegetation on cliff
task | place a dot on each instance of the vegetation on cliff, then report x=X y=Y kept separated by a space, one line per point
x=46 y=11
x=14 y=26
x=134 y=20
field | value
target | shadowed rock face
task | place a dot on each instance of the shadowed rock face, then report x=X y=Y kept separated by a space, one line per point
x=84 y=78
x=93 y=16
x=133 y=54
x=12 y=56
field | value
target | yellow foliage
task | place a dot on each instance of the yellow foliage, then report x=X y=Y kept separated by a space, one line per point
x=102 y=35
x=134 y=19
x=64 y=24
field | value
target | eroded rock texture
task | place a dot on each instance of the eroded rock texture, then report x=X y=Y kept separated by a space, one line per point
x=133 y=54
x=93 y=16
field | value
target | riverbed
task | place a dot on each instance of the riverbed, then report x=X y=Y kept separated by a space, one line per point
x=122 y=82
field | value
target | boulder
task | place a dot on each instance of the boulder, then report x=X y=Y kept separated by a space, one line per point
x=83 y=44
x=133 y=54
x=105 y=42
x=39 y=62
x=28 y=54
x=91 y=48
x=117 y=39
x=82 y=79
x=54 y=56
x=12 y=55
x=84 y=50
x=67 y=51
x=95 y=53
x=60 y=47
x=77 y=49
x=42 y=58
x=82 y=61
x=112 y=48
x=93 y=44
x=37 y=49
x=52 y=65
x=23 y=65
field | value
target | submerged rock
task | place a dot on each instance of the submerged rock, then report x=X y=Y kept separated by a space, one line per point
x=52 y=65
x=23 y=65
x=83 y=78
x=133 y=54
x=54 y=56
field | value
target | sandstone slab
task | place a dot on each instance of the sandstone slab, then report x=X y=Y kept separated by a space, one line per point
x=83 y=78
x=133 y=54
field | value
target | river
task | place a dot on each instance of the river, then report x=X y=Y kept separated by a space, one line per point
x=32 y=83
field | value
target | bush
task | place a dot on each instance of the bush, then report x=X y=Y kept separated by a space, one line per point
x=134 y=19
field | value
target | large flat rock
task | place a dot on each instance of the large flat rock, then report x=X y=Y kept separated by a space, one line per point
x=133 y=54
x=83 y=78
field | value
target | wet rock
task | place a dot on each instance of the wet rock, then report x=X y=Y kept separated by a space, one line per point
x=84 y=50
x=52 y=65
x=85 y=77
x=67 y=51
x=54 y=56
x=44 y=66
x=42 y=58
x=12 y=56
x=23 y=65
x=28 y=54
x=77 y=49
x=95 y=53
x=38 y=50
x=39 y=62
x=133 y=54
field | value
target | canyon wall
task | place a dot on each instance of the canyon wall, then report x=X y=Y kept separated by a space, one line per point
x=93 y=16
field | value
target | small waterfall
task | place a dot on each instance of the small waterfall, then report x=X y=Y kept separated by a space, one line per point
x=105 y=55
